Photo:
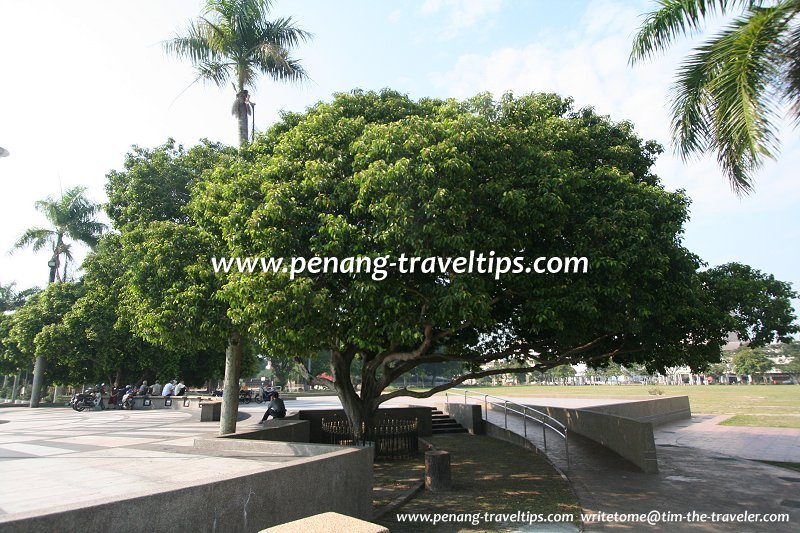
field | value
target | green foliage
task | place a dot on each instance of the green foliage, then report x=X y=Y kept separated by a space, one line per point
x=35 y=325
x=792 y=367
x=750 y=300
x=155 y=184
x=748 y=362
x=11 y=299
x=727 y=91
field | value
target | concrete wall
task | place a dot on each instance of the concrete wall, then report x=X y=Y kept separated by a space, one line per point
x=279 y=430
x=315 y=416
x=625 y=428
x=159 y=402
x=468 y=415
x=656 y=410
x=338 y=480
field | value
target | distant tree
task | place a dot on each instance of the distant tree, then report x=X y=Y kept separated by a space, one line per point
x=562 y=373
x=751 y=362
x=11 y=299
x=234 y=40
x=792 y=368
x=36 y=322
x=729 y=89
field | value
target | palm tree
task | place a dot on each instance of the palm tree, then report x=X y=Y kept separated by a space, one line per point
x=233 y=40
x=728 y=91
x=71 y=216
x=11 y=298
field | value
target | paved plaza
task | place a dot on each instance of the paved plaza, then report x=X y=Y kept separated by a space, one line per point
x=56 y=458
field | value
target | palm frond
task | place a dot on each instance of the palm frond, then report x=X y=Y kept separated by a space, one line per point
x=235 y=40
x=791 y=82
x=724 y=95
x=37 y=238
x=675 y=18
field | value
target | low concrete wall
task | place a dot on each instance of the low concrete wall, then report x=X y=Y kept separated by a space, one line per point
x=468 y=415
x=338 y=479
x=625 y=428
x=315 y=416
x=279 y=430
x=656 y=410
x=178 y=402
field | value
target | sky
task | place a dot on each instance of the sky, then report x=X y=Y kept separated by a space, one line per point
x=83 y=81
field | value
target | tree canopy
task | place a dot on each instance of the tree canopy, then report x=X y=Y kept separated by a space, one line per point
x=377 y=174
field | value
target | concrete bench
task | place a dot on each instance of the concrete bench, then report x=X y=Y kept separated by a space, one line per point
x=210 y=411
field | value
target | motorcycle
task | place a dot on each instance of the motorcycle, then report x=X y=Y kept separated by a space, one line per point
x=128 y=399
x=88 y=398
x=245 y=396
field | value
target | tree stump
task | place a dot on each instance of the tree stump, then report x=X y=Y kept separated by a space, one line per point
x=437 y=470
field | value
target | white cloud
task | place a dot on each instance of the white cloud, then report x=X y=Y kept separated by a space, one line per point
x=460 y=14
x=592 y=67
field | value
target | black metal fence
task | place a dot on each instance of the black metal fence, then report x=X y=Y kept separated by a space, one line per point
x=392 y=438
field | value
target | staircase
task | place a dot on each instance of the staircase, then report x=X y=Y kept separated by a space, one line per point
x=442 y=423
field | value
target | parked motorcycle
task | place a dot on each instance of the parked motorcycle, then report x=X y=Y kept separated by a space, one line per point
x=88 y=398
x=245 y=396
x=128 y=398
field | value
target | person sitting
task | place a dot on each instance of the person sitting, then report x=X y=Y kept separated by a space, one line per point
x=180 y=388
x=144 y=389
x=155 y=390
x=169 y=389
x=276 y=408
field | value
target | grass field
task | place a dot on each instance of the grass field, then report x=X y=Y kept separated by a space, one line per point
x=704 y=399
x=764 y=421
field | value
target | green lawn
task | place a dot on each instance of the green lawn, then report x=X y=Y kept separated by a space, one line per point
x=704 y=399
x=764 y=421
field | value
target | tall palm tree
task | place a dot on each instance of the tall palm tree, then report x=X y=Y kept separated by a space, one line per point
x=71 y=216
x=234 y=41
x=728 y=92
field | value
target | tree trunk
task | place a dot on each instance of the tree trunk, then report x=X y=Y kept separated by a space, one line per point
x=360 y=409
x=230 y=391
x=14 y=389
x=437 y=470
x=38 y=378
x=241 y=110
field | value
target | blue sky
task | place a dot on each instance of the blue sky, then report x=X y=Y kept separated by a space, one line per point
x=83 y=81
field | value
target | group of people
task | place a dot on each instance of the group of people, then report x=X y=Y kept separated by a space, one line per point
x=172 y=388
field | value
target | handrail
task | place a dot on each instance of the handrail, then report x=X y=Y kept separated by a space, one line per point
x=544 y=419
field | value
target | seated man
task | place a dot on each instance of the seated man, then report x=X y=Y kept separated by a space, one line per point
x=276 y=408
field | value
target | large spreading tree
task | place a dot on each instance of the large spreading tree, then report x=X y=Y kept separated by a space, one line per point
x=729 y=91
x=377 y=174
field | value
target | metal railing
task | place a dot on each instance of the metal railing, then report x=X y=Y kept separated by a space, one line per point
x=527 y=413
